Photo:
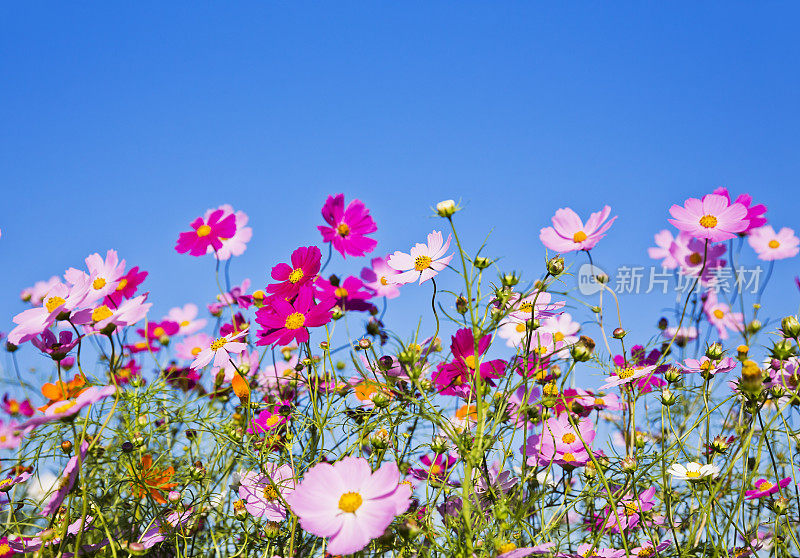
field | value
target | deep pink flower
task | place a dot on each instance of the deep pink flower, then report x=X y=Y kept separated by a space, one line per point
x=14 y=407
x=456 y=377
x=770 y=245
x=349 y=503
x=713 y=218
x=236 y=244
x=303 y=270
x=435 y=469
x=284 y=322
x=349 y=294
x=766 y=488
x=569 y=233
x=126 y=287
x=377 y=278
x=348 y=226
x=206 y=233
x=754 y=212
x=156 y=330
x=423 y=262
x=266 y=422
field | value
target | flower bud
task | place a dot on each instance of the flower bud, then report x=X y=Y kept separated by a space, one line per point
x=595 y=309
x=446 y=208
x=509 y=279
x=741 y=352
x=364 y=344
x=381 y=400
x=754 y=326
x=258 y=298
x=629 y=464
x=66 y=447
x=714 y=351
x=662 y=324
x=668 y=398
x=461 y=305
x=373 y=327
x=790 y=327
x=11 y=347
x=582 y=350
x=337 y=313
x=555 y=266
x=673 y=375
x=481 y=262
x=619 y=333
x=174 y=496
x=239 y=510
x=783 y=349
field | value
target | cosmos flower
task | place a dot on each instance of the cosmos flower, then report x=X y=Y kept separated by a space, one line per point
x=14 y=407
x=128 y=313
x=349 y=503
x=456 y=377
x=186 y=318
x=630 y=509
x=59 y=303
x=435 y=469
x=206 y=233
x=348 y=226
x=10 y=434
x=236 y=244
x=766 y=488
x=264 y=494
x=8 y=483
x=560 y=442
x=770 y=245
x=70 y=407
x=66 y=481
x=377 y=278
x=284 y=322
x=39 y=290
x=661 y=251
x=681 y=334
x=159 y=531
x=306 y=263
x=755 y=213
x=266 y=421
x=193 y=345
x=708 y=367
x=148 y=479
x=569 y=233
x=126 y=288
x=626 y=375
x=692 y=471
x=689 y=254
x=721 y=316
x=220 y=350
x=424 y=262
x=56 y=347
x=156 y=330
x=713 y=218
x=349 y=293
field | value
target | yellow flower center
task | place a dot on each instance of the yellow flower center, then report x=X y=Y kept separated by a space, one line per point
x=384 y=282
x=579 y=236
x=196 y=351
x=54 y=302
x=708 y=221
x=341 y=292
x=630 y=508
x=719 y=314
x=343 y=229
x=550 y=390
x=645 y=551
x=350 y=502
x=295 y=321
x=4 y=483
x=507 y=547
x=569 y=457
x=695 y=258
x=526 y=307
x=436 y=470
x=64 y=407
x=185 y=323
x=520 y=327
x=707 y=365
x=693 y=474
x=599 y=402
x=218 y=344
x=203 y=230
x=272 y=421
x=5 y=549
x=764 y=485
x=159 y=331
x=13 y=406
x=270 y=493
x=422 y=263
x=558 y=337
x=625 y=373
x=773 y=244
x=98 y=283
x=101 y=313
x=122 y=284
x=568 y=438
x=470 y=361
x=296 y=275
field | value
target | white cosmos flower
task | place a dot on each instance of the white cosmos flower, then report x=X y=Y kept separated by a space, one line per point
x=693 y=471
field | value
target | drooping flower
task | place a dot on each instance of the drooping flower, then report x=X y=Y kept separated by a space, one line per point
x=186 y=318
x=693 y=471
x=148 y=479
x=377 y=278
x=264 y=494
x=721 y=316
x=456 y=377
x=284 y=322
x=767 y=488
x=236 y=244
x=66 y=481
x=712 y=218
x=306 y=263
x=754 y=212
x=349 y=503
x=206 y=233
x=423 y=262
x=56 y=347
x=220 y=350
x=348 y=226
x=569 y=233
x=770 y=245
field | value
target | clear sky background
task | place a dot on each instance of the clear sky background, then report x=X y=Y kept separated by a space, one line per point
x=121 y=122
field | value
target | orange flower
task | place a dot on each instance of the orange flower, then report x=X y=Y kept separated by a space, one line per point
x=60 y=391
x=152 y=480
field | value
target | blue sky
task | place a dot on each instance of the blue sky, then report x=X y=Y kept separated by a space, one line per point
x=122 y=122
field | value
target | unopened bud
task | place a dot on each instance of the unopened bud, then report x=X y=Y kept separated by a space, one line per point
x=461 y=305
x=662 y=324
x=629 y=464
x=66 y=447
x=754 y=326
x=555 y=266
x=482 y=263
x=783 y=349
x=790 y=327
x=741 y=352
x=673 y=375
x=668 y=398
x=446 y=208
x=509 y=279
x=619 y=333
x=714 y=351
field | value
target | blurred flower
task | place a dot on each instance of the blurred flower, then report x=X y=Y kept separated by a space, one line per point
x=692 y=471
x=186 y=318
x=377 y=278
x=770 y=245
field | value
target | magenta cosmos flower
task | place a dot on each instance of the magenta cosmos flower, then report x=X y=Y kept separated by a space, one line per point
x=14 y=407
x=350 y=293
x=349 y=503
x=236 y=244
x=378 y=278
x=302 y=271
x=126 y=287
x=456 y=377
x=206 y=233
x=435 y=469
x=284 y=322
x=219 y=351
x=765 y=488
x=771 y=245
x=348 y=226
x=713 y=218
x=264 y=495
x=569 y=233
x=424 y=261
x=754 y=212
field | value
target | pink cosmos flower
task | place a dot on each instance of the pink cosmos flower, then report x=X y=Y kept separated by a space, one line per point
x=766 y=488
x=206 y=233
x=377 y=278
x=708 y=367
x=284 y=323
x=56 y=347
x=583 y=552
x=70 y=407
x=625 y=375
x=264 y=494
x=348 y=226
x=266 y=421
x=129 y=312
x=435 y=469
x=66 y=482
x=688 y=253
x=39 y=290
x=280 y=379
x=162 y=528
x=126 y=287
x=26 y=545
x=661 y=251
x=560 y=440
x=10 y=434
x=713 y=218
x=770 y=245
x=220 y=350
x=103 y=277
x=424 y=261
x=305 y=266
x=349 y=503
x=569 y=233
x=236 y=244
x=721 y=316
x=193 y=345
x=456 y=377
x=682 y=334
x=630 y=509
x=186 y=318
x=754 y=212
x=543 y=548
x=14 y=407
x=156 y=330
x=60 y=302
x=8 y=483
x=349 y=294
x=537 y=305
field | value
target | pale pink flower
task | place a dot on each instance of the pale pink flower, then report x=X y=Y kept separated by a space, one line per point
x=264 y=494
x=186 y=318
x=721 y=316
x=59 y=302
x=770 y=245
x=424 y=261
x=219 y=350
x=569 y=233
x=713 y=218
x=661 y=251
x=688 y=252
x=377 y=278
x=129 y=312
x=193 y=345
x=37 y=292
x=626 y=375
x=104 y=275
